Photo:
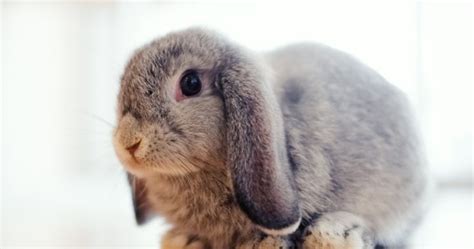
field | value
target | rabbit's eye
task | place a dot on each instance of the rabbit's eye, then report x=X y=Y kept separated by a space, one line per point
x=190 y=83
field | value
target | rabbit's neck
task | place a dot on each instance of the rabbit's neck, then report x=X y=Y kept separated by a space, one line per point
x=201 y=203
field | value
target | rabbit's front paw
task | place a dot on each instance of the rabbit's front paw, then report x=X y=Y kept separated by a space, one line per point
x=272 y=242
x=268 y=242
x=176 y=240
x=339 y=230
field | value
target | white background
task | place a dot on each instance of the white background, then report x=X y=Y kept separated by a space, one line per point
x=61 y=184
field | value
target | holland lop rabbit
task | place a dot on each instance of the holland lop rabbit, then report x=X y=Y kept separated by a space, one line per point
x=302 y=147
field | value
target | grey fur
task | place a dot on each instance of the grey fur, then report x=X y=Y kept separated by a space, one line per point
x=301 y=130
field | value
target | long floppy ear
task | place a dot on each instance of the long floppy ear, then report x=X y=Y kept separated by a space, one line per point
x=141 y=206
x=262 y=179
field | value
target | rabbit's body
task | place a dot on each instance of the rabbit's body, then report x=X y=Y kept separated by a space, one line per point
x=347 y=145
x=351 y=135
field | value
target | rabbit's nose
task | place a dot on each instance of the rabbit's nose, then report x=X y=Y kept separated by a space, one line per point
x=133 y=148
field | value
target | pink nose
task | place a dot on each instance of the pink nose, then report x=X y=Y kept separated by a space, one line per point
x=131 y=149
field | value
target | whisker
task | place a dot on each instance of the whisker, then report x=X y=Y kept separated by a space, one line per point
x=98 y=118
x=142 y=192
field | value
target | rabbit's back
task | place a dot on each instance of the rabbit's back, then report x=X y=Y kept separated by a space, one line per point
x=350 y=135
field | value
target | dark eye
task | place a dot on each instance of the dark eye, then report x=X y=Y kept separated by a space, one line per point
x=190 y=83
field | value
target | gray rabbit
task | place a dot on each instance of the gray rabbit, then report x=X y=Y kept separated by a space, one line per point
x=302 y=147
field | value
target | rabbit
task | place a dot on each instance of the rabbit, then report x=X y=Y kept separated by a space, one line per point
x=300 y=147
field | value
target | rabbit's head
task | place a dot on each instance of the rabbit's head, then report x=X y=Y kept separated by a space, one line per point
x=193 y=101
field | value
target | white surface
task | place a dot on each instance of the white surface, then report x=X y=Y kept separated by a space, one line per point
x=449 y=223
x=102 y=217
x=61 y=184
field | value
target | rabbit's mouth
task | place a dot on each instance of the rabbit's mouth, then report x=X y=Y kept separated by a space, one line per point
x=133 y=148
x=130 y=158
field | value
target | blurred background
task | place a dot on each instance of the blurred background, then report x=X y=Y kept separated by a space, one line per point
x=61 y=184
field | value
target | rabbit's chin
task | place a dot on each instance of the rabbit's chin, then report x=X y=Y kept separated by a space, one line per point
x=143 y=170
x=133 y=167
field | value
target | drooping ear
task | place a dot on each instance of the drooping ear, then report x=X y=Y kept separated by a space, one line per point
x=262 y=179
x=141 y=206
